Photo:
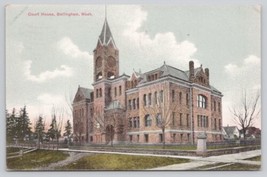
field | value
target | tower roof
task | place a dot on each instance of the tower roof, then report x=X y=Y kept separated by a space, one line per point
x=106 y=36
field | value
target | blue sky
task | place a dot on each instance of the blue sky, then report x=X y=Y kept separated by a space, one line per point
x=48 y=57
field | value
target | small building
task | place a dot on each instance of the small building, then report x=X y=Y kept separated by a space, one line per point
x=231 y=133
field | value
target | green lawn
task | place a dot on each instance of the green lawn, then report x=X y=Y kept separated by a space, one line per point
x=35 y=159
x=120 y=162
x=239 y=167
x=12 y=150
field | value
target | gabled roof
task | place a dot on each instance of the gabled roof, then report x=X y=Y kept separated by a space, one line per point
x=229 y=130
x=82 y=93
x=106 y=36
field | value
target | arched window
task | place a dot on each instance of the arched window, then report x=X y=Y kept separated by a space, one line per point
x=99 y=76
x=201 y=101
x=148 y=120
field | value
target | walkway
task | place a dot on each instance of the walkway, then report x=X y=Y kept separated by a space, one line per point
x=228 y=158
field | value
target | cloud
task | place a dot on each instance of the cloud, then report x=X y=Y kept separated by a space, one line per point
x=50 y=99
x=63 y=71
x=69 y=48
x=162 y=46
x=251 y=64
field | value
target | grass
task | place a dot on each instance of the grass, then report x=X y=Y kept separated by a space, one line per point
x=35 y=159
x=209 y=166
x=239 y=167
x=121 y=162
x=257 y=158
x=12 y=150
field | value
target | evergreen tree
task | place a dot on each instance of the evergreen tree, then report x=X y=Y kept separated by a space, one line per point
x=39 y=130
x=68 y=129
x=54 y=131
x=23 y=124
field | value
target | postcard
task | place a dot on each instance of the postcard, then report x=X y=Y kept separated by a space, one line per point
x=133 y=87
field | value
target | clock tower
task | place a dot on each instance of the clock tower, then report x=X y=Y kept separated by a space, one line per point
x=106 y=56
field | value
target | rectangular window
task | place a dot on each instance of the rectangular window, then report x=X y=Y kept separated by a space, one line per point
x=214 y=105
x=137 y=103
x=187 y=99
x=180 y=97
x=119 y=90
x=220 y=124
x=198 y=120
x=133 y=103
x=148 y=120
x=156 y=98
x=138 y=122
x=159 y=119
x=115 y=91
x=181 y=122
x=161 y=96
x=187 y=120
x=173 y=137
x=149 y=99
x=137 y=139
x=173 y=95
x=129 y=104
x=146 y=138
x=160 y=138
x=173 y=118
x=215 y=124
x=130 y=122
x=131 y=138
x=219 y=106
x=144 y=99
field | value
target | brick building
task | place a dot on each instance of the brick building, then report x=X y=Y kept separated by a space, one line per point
x=138 y=108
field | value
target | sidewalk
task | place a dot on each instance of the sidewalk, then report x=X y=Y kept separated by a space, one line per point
x=228 y=158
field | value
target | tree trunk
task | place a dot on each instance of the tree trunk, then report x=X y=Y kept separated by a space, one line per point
x=163 y=137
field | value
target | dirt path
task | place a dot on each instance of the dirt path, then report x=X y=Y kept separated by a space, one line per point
x=73 y=156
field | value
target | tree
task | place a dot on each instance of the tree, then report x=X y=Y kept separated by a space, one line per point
x=23 y=124
x=248 y=111
x=11 y=125
x=39 y=130
x=160 y=108
x=68 y=129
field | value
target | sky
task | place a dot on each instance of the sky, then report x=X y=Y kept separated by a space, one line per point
x=48 y=57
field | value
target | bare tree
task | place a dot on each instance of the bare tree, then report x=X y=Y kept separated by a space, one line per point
x=160 y=105
x=248 y=111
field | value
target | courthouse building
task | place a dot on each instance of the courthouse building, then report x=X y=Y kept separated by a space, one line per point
x=136 y=108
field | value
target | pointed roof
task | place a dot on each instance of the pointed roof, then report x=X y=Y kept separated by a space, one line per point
x=82 y=93
x=106 y=36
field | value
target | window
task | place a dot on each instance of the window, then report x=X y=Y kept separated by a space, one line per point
x=146 y=138
x=173 y=137
x=148 y=120
x=129 y=104
x=115 y=91
x=130 y=122
x=133 y=103
x=180 y=97
x=159 y=119
x=201 y=101
x=100 y=92
x=119 y=90
x=138 y=122
x=160 y=138
x=188 y=136
x=137 y=103
x=181 y=115
x=137 y=138
x=96 y=93
x=156 y=98
x=135 y=123
x=145 y=103
x=181 y=137
x=173 y=118
x=220 y=124
x=187 y=99
x=214 y=105
x=187 y=120
x=173 y=95
x=161 y=96
x=219 y=106
x=215 y=124
x=149 y=99
x=131 y=138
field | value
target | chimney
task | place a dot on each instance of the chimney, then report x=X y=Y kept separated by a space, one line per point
x=207 y=72
x=191 y=71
